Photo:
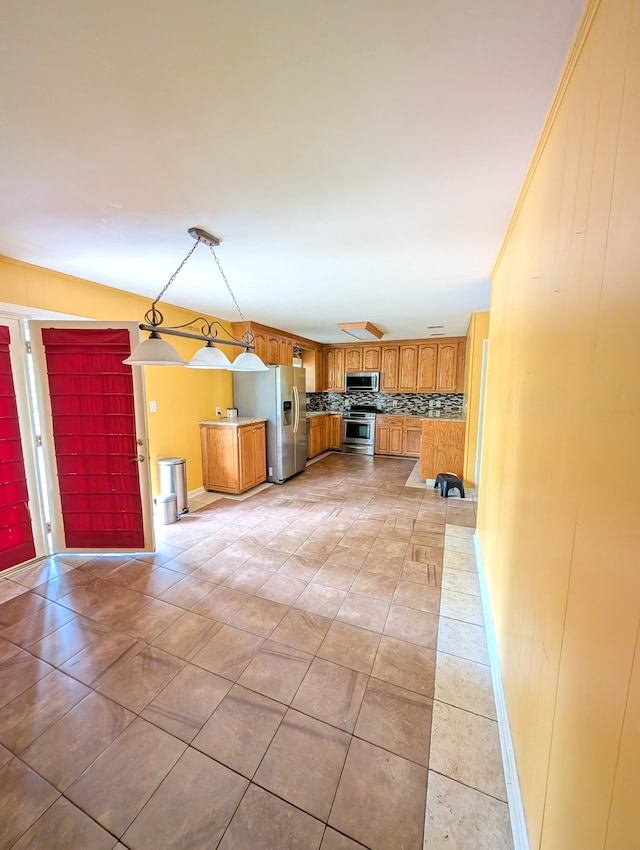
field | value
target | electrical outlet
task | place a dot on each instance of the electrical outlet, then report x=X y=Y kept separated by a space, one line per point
x=394 y=403
x=153 y=406
x=218 y=411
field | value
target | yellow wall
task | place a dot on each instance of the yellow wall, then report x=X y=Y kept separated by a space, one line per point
x=477 y=332
x=559 y=513
x=183 y=396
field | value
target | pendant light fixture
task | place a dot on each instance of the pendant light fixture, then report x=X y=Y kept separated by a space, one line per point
x=156 y=351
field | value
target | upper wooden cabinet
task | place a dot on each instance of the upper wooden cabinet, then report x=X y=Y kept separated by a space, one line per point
x=353 y=359
x=335 y=369
x=406 y=366
x=371 y=358
x=389 y=369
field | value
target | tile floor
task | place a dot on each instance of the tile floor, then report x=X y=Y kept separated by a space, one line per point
x=302 y=668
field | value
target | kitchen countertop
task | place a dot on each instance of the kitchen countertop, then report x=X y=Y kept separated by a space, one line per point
x=241 y=420
x=447 y=417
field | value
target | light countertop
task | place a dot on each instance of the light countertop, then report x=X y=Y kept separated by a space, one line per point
x=241 y=420
x=446 y=417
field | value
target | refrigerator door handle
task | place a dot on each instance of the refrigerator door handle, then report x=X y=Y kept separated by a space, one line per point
x=296 y=412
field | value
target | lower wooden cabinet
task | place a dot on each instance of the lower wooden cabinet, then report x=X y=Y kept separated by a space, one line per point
x=442 y=447
x=398 y=435
x=389 y=435
x=334 y=431
x=233 y=456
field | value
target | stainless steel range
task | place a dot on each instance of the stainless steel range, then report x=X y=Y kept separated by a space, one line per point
x=359 y=429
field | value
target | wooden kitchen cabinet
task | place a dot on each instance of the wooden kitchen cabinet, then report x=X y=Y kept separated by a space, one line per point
x=317 y=434
x=286 y=352
x=233 y=455
x=353 y=359
x=273 y=350
x=411 y=436
x=447 y=376
x=426 y=379
x=371 y=357
x=442 y=448
x=389 y=369
x=260 y=343
x=334 y=431
x=335 y=369
x=407 y=368
x=388 y=435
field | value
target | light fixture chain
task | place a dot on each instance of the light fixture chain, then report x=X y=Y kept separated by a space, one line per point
x=224 y=277
x=175 y=275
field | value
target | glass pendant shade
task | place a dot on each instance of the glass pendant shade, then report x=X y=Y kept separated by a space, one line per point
x=248 y=362
x=209 y=357
x=155 y=352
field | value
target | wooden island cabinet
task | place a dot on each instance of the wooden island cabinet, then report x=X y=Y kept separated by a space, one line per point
x=234 y=455
x=442 y=448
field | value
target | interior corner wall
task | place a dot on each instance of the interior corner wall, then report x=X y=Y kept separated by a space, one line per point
x=183 y=397
x=558 y=516
x=477 y=332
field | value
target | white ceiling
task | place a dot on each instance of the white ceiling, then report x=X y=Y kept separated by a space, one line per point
x=359 y=159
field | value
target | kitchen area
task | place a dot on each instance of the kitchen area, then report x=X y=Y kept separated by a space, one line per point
x=401 y=399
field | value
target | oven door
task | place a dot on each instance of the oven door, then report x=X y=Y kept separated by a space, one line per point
x=358 y=432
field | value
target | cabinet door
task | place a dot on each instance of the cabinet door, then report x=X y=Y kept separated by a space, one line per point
x=339 y=370
x=330 y=368
x=335 y=432
x=411 y=436
x=371 y=359
x=382 y=439
x=317 y=436
x=260 y=342
x=252 y=457
x=220 y=467
x=273 y=350
x=389 y=376
x=408 y=368
x=389 y=435
x=427 y=362
x=353 y=359
x=447 y=367
x=286 y=352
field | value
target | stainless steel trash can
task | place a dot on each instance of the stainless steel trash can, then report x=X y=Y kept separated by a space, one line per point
x=173 y=480
x=168 y=508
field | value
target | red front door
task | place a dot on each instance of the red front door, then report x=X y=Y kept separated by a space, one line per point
x=94 y=435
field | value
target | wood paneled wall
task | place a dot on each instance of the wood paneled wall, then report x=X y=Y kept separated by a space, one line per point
x=559 y=511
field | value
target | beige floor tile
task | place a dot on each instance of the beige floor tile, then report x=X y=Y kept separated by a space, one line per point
x=302 y=630
x=221 y=603
x=62 y=752
x=19 y=670
x=459 y=561
x=304 y=763
x=462 y=818
x=461 y=606
x=460 y=544
x=350 y=646
x=263 y=820
x=465 y=684
x=466 y=747
x=276 y=671
x=190 y=809
x=380 y=800
x=412 y=625
x=24 y=797
x=318 y=599
x=27 y=716
x=332 y=693
x=228 y=652
x=452 y=530
x=461 y=581
x=396 y=719
x=406 y=665
x=117 y=785
x=335 y=575
x=225 y=735
x=413 y=594
x=64 y=825
x=364 y=611
x=186 y=637
x=282 y=588
x=466 y=640
x=137 y=681
x=185 y=704
x=335 y=841
x=259 y=616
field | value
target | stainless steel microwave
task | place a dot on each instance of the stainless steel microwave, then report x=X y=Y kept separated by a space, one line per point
x=362 y=382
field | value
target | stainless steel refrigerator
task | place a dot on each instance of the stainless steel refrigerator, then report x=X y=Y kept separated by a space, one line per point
x=279 y=396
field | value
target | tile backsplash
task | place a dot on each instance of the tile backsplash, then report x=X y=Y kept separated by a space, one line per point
x=406 y=404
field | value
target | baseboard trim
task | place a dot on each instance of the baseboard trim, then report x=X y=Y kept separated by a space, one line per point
x=514 y=797
x=197 y=492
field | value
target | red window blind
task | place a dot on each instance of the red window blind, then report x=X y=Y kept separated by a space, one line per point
x=16 y=533
x=94 y=431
